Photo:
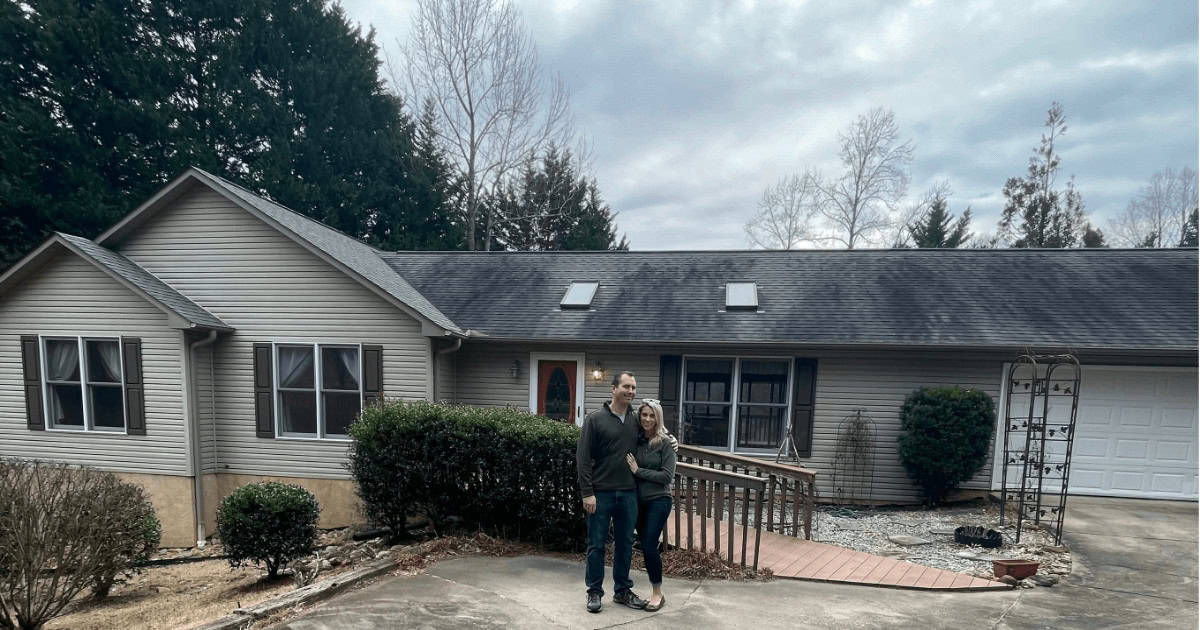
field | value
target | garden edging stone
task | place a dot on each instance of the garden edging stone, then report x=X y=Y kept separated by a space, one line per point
x=304 y=595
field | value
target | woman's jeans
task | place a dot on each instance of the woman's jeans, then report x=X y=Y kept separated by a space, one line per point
x=652 y=517
x=620 y=507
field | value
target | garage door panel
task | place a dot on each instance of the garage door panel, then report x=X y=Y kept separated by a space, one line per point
x=1168 y=451
x=1137 y=433
x=1172 y=484
x=1179 y=418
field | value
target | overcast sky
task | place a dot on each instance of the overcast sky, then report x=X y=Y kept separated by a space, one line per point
x=694 y=107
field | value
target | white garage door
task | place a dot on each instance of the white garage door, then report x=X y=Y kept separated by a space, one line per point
x=1136 y=433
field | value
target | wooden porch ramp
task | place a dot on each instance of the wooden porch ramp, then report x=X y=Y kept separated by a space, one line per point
x=800 y=559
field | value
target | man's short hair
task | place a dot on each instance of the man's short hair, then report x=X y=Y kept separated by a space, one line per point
x=617 y=377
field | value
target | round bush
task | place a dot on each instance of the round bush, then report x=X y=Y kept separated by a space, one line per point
x=133 y=541
x=502 y=471
x=945 y=432
x=269 y=522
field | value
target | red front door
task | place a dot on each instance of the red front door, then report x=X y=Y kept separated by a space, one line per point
x=556 y=390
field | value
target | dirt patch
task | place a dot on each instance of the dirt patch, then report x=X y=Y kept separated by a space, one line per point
x=176 y=596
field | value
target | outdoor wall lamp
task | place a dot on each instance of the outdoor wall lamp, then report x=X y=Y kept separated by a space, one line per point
x=597 y=370
x=514 y=370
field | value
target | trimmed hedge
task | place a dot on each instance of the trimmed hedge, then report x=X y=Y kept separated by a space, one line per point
x=502 y=471
x=944 y=437
x=268 y=522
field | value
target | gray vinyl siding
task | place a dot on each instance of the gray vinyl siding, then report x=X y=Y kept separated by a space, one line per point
x=444 y=364
x=270 y=289
x=876 y=381
x=69 y=296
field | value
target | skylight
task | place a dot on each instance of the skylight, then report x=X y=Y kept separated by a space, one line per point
x=579 y=295
x=741 y=296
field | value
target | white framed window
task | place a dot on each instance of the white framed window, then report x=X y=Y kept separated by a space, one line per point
x=84 y=387
x=738 y=404
x=318 y=389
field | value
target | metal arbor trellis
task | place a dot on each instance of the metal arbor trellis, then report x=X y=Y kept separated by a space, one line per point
x=854 y=459
x=1041 y=394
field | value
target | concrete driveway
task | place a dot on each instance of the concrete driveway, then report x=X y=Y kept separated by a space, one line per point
x=1135 y=567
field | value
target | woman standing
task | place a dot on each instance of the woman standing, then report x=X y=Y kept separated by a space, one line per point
x=653 y=466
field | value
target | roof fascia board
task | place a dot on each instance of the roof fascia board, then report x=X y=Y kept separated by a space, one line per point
x=168 y=193
x=428 y=327
x=180 y=185
x=44 y=254
x=999 y=348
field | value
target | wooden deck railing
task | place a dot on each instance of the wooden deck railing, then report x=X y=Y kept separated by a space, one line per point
x=786 y=487
x=702 y=493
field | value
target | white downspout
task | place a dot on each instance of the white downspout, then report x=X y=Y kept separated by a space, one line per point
x=197 y=486
x=437 y=367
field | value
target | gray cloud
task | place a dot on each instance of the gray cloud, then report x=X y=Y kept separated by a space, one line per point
x=694 y=107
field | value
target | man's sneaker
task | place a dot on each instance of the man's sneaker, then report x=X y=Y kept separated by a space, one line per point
x=630 y=599
x=593 y=604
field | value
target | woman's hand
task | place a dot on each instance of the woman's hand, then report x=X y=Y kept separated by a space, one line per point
x=629 y=459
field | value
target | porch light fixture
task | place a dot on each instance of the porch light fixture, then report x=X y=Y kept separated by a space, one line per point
x=514 y=370
x=597 y=371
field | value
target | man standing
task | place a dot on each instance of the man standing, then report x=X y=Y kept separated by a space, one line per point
x=609 y=491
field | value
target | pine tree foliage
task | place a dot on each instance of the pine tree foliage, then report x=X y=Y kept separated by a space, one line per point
x=938 y=228
x=103 y=102
x=1093 y=238
x=1188 y=238
x=1036 y=214
x=552 y=207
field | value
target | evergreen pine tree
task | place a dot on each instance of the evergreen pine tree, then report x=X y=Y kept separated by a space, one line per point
x=933 y=229
x=1035 y=213
x=1188 y=239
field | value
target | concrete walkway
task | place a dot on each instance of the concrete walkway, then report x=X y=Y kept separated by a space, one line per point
x=1135 y=568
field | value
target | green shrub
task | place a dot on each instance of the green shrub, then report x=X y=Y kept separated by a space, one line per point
x=944 y=437
x=269 y=522
x=133 y=541
x=62 y=529
x=502 y=471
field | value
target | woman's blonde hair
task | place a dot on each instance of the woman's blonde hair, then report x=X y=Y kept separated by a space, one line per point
x=660 y=429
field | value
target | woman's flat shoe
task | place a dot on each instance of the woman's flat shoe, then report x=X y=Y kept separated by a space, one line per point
x=653 y=608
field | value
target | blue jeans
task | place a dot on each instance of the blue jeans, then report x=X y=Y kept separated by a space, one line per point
x=652 y=517
x=619 y=507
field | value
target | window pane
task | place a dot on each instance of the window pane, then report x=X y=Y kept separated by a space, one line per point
x=296 y=366
x=108 y=411
x=339 y=368
x=764 y=382
x=340 y=412
x=760 y=427
x=706 y=425
x=708 y=380
x=103 y=361
x=65 y=406
x=298 y=412
x=62 y=360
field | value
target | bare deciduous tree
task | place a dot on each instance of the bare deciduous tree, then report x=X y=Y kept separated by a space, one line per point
x=859 y=202
x=476 y=61
x=785 y=213
x=1158 y=215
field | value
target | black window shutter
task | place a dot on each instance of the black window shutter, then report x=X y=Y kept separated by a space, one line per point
x=30 y=366
x=264 y=396
x=135 y=394
x=668 y=390
x=802 y=405
x=372 y=369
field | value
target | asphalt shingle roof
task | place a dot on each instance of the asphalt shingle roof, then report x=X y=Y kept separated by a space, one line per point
x=1081 y=299
x=147 y=282
x=358 y=256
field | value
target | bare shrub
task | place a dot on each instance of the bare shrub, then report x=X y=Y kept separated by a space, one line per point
x=59 y=527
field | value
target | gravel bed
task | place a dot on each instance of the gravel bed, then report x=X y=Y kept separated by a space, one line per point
x=869 y=529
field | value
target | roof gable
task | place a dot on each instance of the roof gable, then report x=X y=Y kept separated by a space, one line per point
x=354 y=258
x=181 y=311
